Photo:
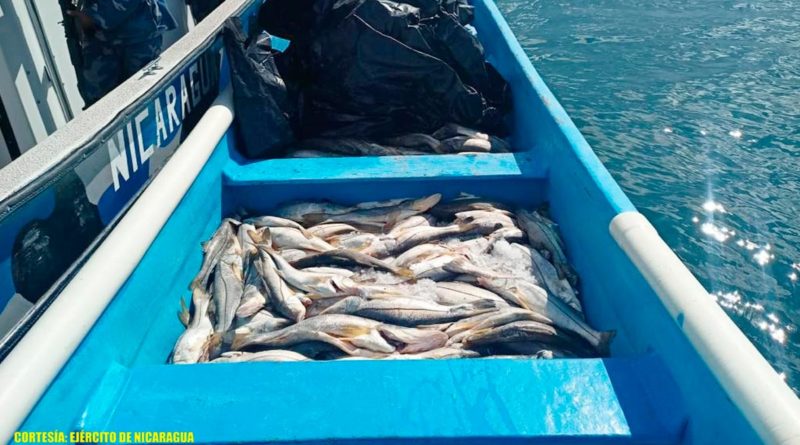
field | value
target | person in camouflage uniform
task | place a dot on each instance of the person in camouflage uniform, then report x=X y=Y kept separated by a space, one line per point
x=120 y=37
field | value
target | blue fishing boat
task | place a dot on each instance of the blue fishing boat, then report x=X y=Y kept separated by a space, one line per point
x=159 y=164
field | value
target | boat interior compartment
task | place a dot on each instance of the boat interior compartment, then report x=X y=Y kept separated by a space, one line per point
x=654 y=387
x=119 y=377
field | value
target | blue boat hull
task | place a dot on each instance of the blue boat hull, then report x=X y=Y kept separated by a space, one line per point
x=655 y=387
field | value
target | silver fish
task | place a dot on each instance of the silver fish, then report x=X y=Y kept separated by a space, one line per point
x=526 y=331
x=462 y=144
x=542 y=235
x=194 y=343
x=296 y=211
x=253 y=300
x=293 y=254
x=331 y=271
x=414 y=340
x=498 y=318
x=246 y=242
x=455 y=292
x=376 y=245
x=326 y=231
x=548 y=275
x=419 y=253
x=447 y=210
x=378 y=217
x=484 y=221
x=440 y=353
x=273 y=355
x=529 y=296
x=344 y=257
x=274 y=221
x=283 y=299
x=380 y=247
x=213 y=250
x=316 y=283
x=411 y=221
x=262 y=322
x=337 y=330
x=288 y=238
x=425 y=234
x=228 y=286
x=509 y=234
x=433 y=268
x=403 y=311
x=442 y=267
x=502 y=216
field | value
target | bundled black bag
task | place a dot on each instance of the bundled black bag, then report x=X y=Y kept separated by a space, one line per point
x=259 y=94
x=376 y=68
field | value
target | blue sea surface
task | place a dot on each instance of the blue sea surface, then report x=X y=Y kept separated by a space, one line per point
x=694 y=107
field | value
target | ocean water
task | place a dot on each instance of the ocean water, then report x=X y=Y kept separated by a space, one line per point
x=694 y=107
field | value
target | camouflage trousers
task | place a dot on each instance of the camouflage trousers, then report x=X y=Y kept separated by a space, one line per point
x=106 y=65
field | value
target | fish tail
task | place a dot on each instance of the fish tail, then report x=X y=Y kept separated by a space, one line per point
x=183 y=314
x=604 y=342
x=213 y=346
x=471 y=335
x=312 y=219
x=256 y=236
x=240 y=340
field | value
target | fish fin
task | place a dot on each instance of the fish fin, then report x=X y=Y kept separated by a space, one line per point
x=414 y=340
x=348 y=332
x=183 y=315
x=485 y=304
x=305 y=300
x=466 y=339
x=257 y=236
x=405 y=272
x=339 y=343
x=424 y=204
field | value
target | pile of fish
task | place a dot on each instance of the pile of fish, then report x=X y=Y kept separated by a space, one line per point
x=398 y=279
x=449 y=139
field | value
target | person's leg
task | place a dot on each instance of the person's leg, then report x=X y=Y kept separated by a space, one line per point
x=137 y=55
x=101 y=70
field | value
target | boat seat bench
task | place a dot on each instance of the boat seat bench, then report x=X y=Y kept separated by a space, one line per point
x=444 y=401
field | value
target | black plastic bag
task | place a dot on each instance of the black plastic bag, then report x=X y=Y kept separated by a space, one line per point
x=377 y=68
x=260 y=99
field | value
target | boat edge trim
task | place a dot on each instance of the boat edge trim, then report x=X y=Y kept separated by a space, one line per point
x=752 y=384
x=28 y=370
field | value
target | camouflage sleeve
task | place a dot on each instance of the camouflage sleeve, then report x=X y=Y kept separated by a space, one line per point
x=109 y=14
